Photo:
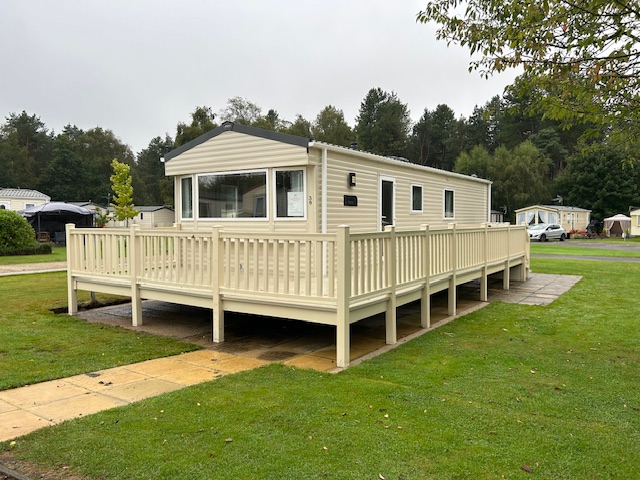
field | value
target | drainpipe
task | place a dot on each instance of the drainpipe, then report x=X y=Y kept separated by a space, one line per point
x=489 y=203
x=323 y=193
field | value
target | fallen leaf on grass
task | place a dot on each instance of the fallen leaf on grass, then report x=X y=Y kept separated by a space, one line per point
x=527 y=468
x=228 y=440
x=381 y=477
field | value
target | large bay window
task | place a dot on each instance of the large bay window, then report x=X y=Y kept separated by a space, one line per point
x=233 y=195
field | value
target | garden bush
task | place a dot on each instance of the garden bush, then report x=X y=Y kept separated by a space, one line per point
x=15 y=231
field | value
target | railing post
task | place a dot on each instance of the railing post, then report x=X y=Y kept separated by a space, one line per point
x=343 y=296
x=425 y=302
x=451 y=310
x=391 y=265
x=132 y=254
x=217 y=266
x=72 y=293
x=506 y=274
x=484 y=280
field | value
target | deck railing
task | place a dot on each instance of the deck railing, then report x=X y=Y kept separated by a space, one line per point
x=290 y=265
x=325 y=278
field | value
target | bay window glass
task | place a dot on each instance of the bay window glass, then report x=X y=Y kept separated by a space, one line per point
x=290 y=193
x=233 y=195
x=186 y=197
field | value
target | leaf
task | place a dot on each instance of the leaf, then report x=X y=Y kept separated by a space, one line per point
x=381 y=477
x=228 y=440
x=527 y=468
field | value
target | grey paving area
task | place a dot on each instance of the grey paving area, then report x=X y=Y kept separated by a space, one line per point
x=540 y=289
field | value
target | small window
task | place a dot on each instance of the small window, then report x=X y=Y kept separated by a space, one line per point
x=186 y=197
x=29 y=205
x=449 y=205
x=520 y=220
x=290 y=194
x=416 y=198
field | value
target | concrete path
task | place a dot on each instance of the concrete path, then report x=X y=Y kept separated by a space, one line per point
x=25 y=409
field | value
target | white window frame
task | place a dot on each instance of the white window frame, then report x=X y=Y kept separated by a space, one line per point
x=234 y=219
x=29 y=205
x=275 y=193
x=193 y=189
x=411 y=197
x=444 y=204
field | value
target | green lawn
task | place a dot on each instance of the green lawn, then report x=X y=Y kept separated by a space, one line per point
x=557 y=248
x=37 y=345
x=553 y=389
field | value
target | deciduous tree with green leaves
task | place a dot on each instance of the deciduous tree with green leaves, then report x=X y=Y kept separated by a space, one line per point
x=123 y=208
x=581 y=59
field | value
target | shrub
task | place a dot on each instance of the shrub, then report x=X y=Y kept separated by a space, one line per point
x=34 y=248
x=15 y=231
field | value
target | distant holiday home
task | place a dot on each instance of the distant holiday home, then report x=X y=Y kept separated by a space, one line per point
x=147 y=217
x=571 y=218
x=21 y=198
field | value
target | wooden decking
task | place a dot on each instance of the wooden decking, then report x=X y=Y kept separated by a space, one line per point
x=334 y=279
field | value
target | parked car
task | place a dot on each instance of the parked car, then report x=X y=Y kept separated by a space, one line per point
x=546 y=231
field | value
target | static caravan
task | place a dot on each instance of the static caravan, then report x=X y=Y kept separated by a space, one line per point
x=635 y=222
x=278 y=225
x=571 y=218
x=147 y=217
x=21 y=198
x=249 y=179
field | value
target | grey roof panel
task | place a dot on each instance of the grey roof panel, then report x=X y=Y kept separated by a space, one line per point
x=21 y=193
x=236 y=127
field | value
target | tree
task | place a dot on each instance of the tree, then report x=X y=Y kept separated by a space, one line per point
x=301 y=127
x=151 y=185
x=25 y=148
x=518 y=175
x=581 y=59
x=240 y=110
x=599 y=177
x=383 y=124
x=330 y=127
x=123 y=208
x=202 y=120
x=271 y=121
x=435 y=140
x=65 y=174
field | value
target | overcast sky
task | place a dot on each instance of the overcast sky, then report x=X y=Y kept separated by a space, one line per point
x=138 y=67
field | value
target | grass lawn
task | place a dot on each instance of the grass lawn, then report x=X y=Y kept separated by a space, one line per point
x=509 y=387
x=58 y=254
x=557 y=248
x=37 y=345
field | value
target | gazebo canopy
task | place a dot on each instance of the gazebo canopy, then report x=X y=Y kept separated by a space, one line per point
x=618 y=224
x=51 y=217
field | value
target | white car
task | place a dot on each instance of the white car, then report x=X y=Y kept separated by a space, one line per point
x=546 y=231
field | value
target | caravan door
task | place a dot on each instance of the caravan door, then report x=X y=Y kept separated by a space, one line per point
x=386 y=202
